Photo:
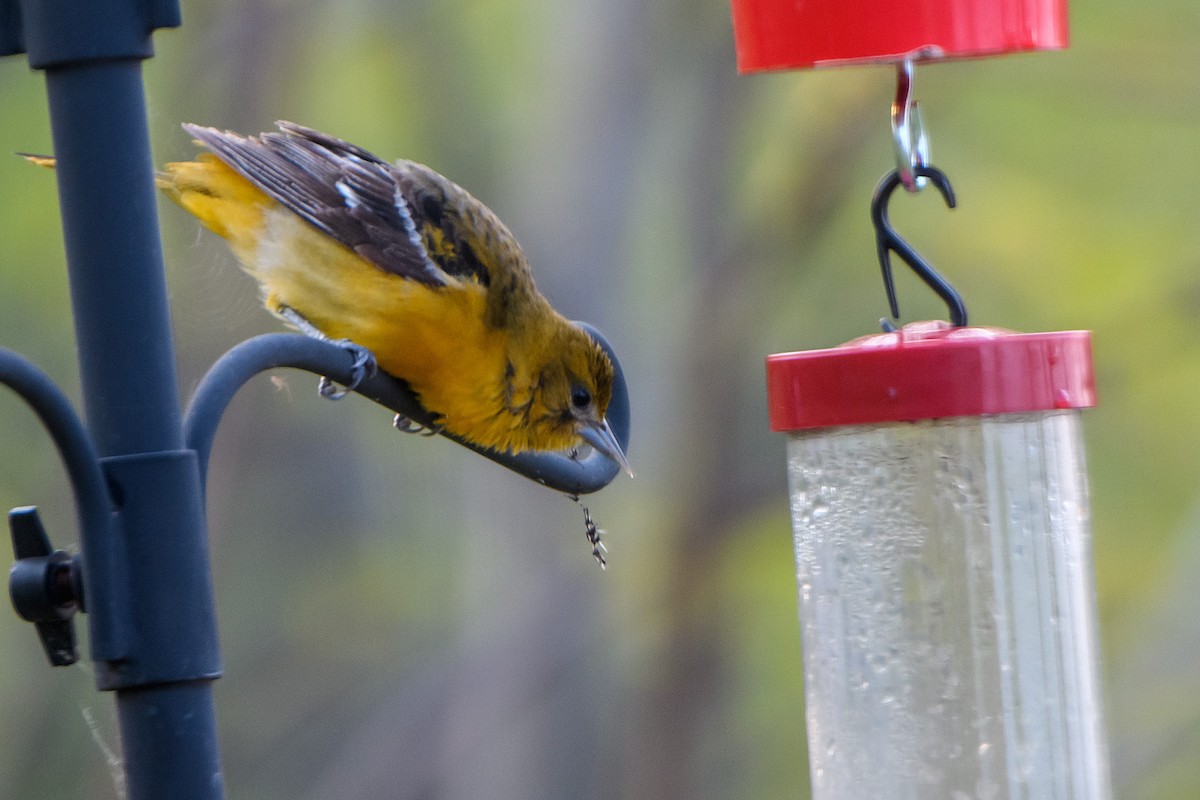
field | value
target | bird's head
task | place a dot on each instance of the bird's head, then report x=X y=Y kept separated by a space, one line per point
x=575 y=388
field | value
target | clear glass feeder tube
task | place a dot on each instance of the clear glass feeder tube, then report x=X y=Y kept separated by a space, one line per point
x=947 y=609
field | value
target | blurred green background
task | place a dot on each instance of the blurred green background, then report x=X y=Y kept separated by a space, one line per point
x=402 y=619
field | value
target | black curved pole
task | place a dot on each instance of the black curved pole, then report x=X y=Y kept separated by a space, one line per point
x=54 y=411
x=574 y=476
x=93 y=505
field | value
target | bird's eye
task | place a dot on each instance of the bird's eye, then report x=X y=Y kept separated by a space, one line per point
x=580 y=397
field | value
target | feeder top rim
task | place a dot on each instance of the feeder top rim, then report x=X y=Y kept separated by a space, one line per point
x=927 y=370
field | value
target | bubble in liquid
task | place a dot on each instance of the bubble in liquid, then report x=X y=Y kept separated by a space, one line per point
x=819 y=507
x=805 y=590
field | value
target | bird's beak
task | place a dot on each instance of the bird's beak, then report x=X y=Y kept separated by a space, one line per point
x=600 y=436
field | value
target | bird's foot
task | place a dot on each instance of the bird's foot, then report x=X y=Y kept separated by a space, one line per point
x=408 y=425
x=364 y=367
x=364 y=360
x=298 y=321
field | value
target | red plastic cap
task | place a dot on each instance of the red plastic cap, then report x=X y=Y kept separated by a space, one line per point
x=927 y=370
x=787 y=34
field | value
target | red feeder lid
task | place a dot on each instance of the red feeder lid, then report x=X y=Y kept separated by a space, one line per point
x=788 y=34
x=927 y=370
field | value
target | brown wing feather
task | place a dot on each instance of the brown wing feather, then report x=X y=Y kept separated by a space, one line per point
x=341 y=190
x=460 y=234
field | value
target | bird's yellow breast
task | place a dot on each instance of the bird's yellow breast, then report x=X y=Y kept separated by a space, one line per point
x=433 y=337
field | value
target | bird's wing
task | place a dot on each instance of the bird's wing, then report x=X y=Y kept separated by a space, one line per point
x=376 y=209
x=460 y=234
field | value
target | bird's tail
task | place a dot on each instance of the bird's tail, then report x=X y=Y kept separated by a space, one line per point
x=224 y=202
x=41 y=161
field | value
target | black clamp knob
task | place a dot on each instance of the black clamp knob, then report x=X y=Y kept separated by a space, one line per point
x=45 y=586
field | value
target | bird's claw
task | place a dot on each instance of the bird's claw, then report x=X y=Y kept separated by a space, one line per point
x=364 y=367
x=408 y=425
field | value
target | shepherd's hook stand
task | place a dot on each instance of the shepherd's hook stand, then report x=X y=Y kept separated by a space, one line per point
x=136 y=468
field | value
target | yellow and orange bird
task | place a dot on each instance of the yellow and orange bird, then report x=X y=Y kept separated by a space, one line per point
x=404 y=262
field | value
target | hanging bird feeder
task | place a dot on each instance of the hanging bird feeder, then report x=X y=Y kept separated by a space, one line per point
x=937 y=480
x=939 y=504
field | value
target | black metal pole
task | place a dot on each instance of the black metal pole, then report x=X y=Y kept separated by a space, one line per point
x=162 y=656
x=114 y=258
x=118 y=292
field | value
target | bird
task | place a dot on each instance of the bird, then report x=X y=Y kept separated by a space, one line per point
x=400 y=260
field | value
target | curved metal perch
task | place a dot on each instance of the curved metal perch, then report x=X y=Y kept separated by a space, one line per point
x=93 y=503
x=274 y=350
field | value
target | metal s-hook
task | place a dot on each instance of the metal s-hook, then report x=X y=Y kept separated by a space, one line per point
x=888 y=241
x=909 y=139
